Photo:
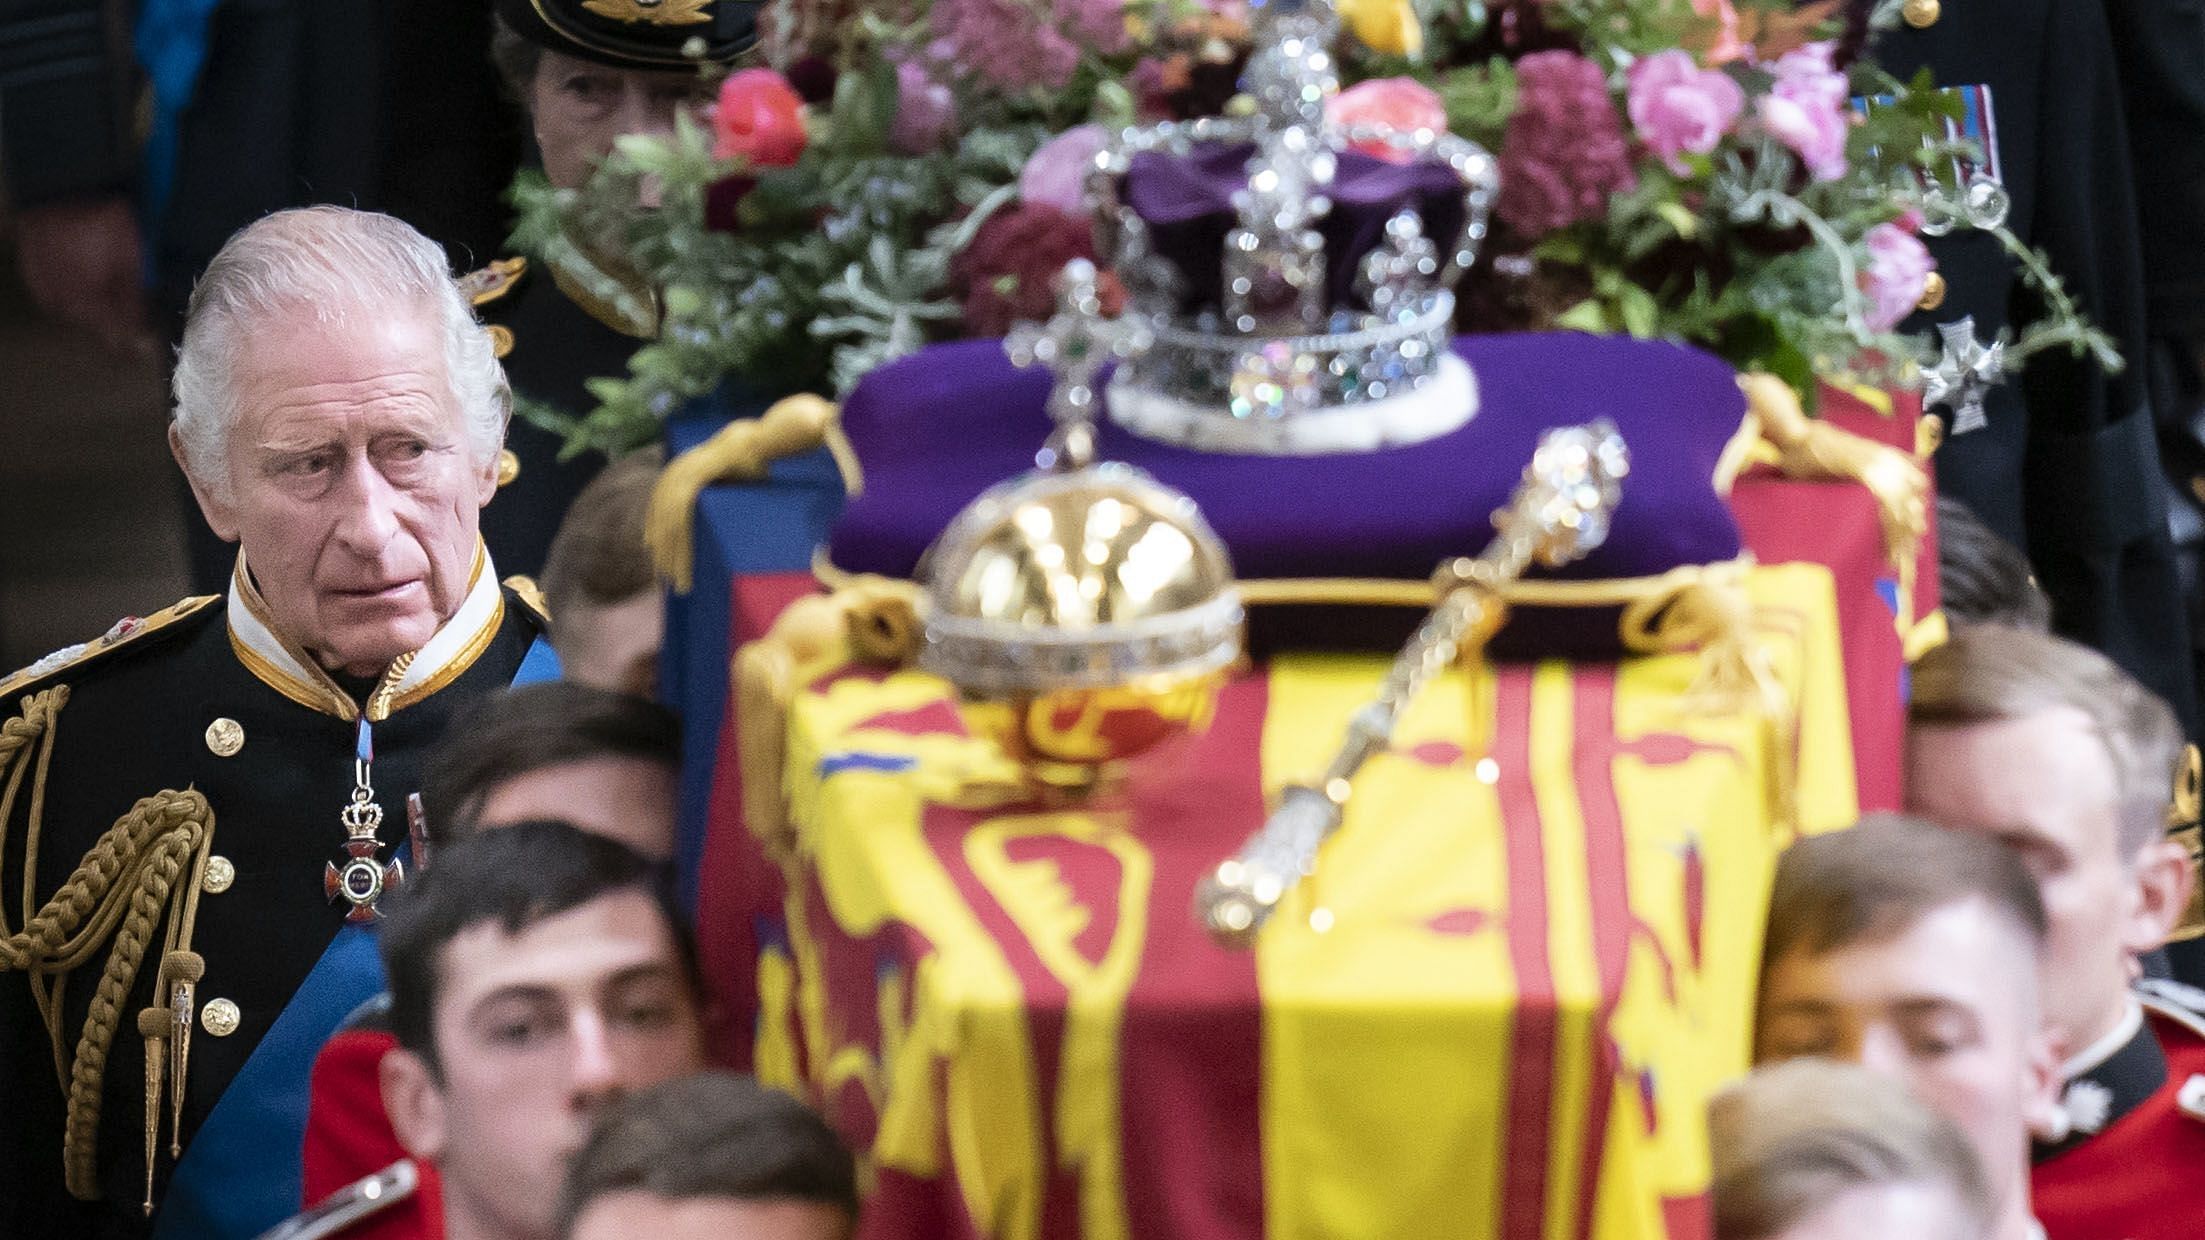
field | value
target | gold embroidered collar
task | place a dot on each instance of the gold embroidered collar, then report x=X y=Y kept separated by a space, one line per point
x=283 y=666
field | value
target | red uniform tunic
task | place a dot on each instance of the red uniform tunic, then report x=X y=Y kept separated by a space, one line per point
x=359 y=1183
x=2132 y=1170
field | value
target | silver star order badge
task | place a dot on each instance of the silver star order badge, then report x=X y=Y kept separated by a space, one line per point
x=1964 y=372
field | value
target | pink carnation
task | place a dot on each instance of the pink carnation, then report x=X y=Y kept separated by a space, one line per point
x=1676 y=106
x=1017 y=46
x=1395 y=105
x=1056 y=175
x=1564 y=152
x=1898 y=269
x=926 y=111
x=1806 y=109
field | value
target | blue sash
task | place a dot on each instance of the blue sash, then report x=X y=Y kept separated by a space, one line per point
x=241 y=1174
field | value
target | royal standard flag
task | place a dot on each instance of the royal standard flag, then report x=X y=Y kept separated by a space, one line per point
x=1496 y=1010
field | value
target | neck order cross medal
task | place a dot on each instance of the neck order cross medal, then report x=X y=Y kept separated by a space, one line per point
x=361 y=880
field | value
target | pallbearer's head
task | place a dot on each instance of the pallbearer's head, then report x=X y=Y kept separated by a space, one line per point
x=1916 y=951
x=710 y=1157
x=538 y=974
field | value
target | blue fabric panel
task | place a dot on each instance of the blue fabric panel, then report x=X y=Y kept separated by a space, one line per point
x=770 y=526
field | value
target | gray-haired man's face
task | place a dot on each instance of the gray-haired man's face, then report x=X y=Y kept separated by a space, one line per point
x=351 y=485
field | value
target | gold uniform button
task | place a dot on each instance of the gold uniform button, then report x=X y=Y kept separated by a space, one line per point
x=509 y=466
x=1933 y=292
x=501 y=339
x=220 y=874
x=2197 y=488
x=225 y=737
x=219 y=1017
x=1921 y=14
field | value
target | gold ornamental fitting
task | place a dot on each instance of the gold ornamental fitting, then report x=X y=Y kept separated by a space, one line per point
x=1921 y=14
x=220 y=1017
x=225 y=737
x=1933 y=292
x=1094 y=607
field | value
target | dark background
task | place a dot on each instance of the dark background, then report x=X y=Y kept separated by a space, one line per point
x=90 y=512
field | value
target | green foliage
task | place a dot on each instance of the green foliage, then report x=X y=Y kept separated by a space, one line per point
x=843 y=262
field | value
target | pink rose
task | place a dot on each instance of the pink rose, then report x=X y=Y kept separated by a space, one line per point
x=1898 y=269
x=760 y=119
x=1806 y=109
x=1394 y=105
x=1676 y=106
x=926 y=111
x=1056 y=175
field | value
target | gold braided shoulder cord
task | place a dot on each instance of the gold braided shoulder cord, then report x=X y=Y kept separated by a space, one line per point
x=117 y=896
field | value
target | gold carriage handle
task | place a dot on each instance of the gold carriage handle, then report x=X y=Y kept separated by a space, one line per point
x=739 y=451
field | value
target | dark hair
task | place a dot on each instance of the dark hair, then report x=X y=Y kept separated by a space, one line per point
x=532 y=728
x=1877 y=879
x=1982 y=578
x=710 y=1135
x=514 y=876
x=599 y=556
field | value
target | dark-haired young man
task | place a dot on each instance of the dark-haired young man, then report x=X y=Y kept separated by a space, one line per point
x=1982 y=578
x=537 y=973
x=1915 y=951
x=606 y=762
x=710 y=1157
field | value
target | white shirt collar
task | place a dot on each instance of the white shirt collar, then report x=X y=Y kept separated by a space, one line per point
x=286 y=668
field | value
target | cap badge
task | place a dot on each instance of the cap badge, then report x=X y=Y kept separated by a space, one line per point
x=653 y=12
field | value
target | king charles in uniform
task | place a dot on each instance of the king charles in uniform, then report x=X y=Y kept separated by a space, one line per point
x=201 y=811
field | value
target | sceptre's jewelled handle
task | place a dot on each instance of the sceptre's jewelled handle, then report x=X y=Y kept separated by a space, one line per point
x=1560 y=512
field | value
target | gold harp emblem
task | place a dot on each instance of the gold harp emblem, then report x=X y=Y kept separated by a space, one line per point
x=654 y=12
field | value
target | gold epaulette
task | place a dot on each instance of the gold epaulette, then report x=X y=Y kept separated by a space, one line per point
x=531 y=596
x=126 y=631
x=486 y=284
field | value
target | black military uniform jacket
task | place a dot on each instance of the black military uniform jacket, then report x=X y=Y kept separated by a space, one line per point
x=204 y=698
x=2067 y=467
x=553 y=342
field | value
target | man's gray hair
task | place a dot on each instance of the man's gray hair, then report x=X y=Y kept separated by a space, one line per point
x=327 y=262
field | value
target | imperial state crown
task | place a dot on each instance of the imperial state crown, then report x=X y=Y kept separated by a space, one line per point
x=1294 y=274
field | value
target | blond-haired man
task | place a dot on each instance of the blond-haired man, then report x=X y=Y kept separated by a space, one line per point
x=2051 y=748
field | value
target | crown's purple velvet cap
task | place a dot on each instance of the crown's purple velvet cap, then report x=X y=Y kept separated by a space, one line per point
x=1187 y=204
x=935 y=429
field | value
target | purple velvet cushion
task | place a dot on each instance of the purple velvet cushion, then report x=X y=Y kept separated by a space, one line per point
x=934 y=430
x=1188 y=207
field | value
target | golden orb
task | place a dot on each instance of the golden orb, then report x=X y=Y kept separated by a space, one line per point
x=1090 y=613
